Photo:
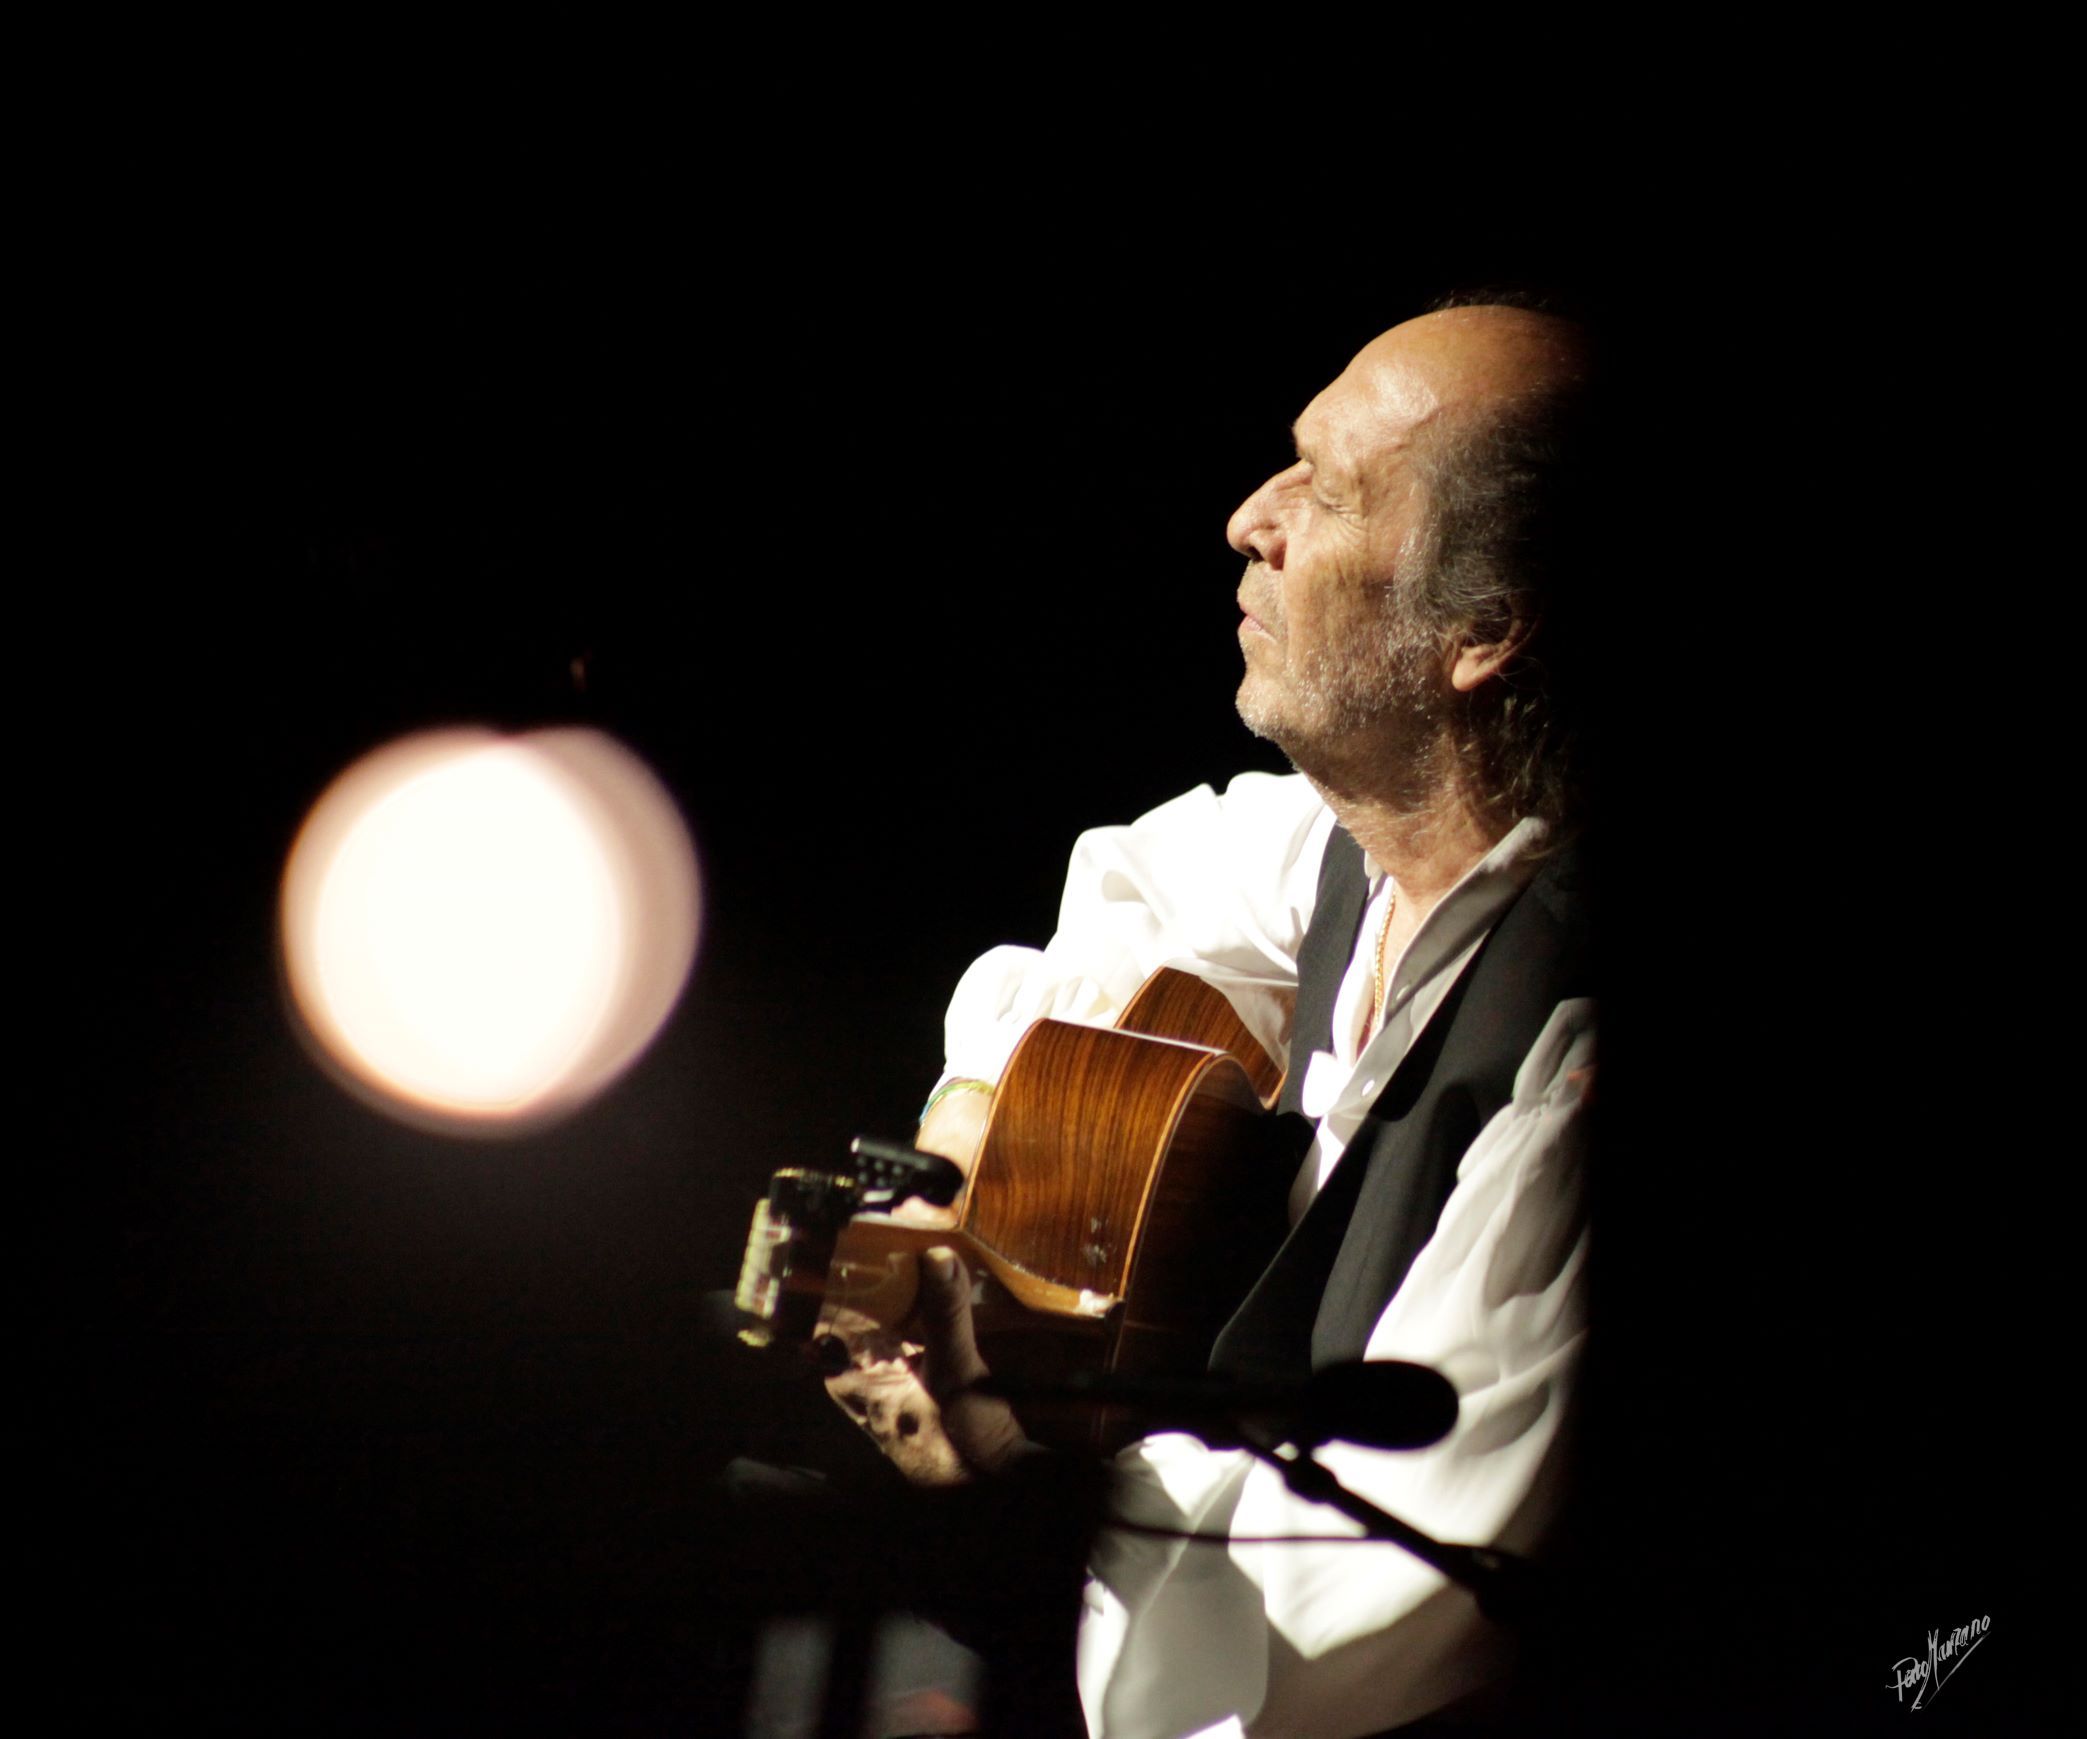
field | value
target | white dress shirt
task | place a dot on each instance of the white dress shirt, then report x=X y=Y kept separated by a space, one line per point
x=1335 y=1639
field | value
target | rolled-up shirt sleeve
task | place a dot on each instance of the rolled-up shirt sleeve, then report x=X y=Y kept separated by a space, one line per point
x=1339 y=1639
x=1222 y=884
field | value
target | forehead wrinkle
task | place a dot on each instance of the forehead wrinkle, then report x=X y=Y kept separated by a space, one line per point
x=1380 y=447
x=1369 y=419
x=1320 y=456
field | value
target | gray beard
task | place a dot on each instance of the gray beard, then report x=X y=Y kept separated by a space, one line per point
x=1369 y=718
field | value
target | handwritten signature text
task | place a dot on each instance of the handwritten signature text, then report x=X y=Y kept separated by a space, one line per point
x=1925 y=1678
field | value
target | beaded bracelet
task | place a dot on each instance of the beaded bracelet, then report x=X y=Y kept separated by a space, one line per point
x=955 y=1084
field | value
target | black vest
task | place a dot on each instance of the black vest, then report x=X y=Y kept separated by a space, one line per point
x=1319 y=1300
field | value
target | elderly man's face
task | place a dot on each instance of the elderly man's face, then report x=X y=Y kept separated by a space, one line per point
x=1334 y=659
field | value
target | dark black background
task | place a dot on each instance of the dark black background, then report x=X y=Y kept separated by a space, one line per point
x=881 y=509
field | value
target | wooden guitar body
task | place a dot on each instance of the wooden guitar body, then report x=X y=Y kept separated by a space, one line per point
x=1128 y=1190
x=1133 y=1163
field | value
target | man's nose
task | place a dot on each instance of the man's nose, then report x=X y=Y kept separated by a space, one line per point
x=1253 y=529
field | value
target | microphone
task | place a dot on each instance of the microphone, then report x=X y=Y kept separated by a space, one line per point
x=1378 y=1403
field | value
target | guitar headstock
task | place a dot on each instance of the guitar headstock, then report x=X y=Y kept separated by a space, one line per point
x=789 y=1247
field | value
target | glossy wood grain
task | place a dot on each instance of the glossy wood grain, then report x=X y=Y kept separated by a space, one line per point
x=1178 y=1005
x=1128 y=1190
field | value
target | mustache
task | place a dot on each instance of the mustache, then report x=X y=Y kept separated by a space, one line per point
x=1256 y=600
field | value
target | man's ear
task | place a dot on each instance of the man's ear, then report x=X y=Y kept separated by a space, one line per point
x=1476 y=664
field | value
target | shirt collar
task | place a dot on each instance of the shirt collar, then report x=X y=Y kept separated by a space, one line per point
x=1471 y=907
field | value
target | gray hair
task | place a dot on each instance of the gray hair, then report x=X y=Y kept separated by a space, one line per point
x=1500 y=551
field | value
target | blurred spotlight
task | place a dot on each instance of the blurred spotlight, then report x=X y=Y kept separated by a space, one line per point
x=480 y=932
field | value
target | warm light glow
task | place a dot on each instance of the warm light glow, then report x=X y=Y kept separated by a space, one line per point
x=482 y=931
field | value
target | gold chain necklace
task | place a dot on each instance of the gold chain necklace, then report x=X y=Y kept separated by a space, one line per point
x=1377 y=967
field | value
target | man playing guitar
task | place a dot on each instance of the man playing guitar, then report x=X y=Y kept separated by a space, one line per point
x=1410 y=616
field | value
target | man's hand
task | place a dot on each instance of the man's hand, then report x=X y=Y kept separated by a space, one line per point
x=911 y=1391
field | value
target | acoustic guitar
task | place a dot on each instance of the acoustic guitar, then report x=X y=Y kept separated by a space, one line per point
x=1128 y=1190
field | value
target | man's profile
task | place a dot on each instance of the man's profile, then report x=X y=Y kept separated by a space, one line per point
x=1403 y=920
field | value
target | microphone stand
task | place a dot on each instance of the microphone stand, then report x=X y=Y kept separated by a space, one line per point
x=1510 y=1589
x=1384 y=1405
